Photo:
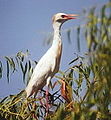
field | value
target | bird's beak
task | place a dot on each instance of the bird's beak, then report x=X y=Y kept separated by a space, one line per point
x=71 y=16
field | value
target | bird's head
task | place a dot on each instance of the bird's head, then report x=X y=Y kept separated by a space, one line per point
x=60 y=18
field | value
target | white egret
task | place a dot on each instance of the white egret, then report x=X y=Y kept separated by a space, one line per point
x=48 y=65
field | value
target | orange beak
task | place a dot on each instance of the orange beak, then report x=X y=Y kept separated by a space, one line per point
x=71 y=16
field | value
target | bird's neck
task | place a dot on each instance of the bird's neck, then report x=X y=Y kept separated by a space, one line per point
x=57 y=34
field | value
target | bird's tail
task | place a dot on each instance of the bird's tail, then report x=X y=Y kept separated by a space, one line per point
x=29 y=91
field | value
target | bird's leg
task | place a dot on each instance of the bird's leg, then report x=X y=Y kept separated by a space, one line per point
x=47 y=94
x=47 y=99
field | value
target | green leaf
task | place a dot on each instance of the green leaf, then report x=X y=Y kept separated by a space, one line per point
x=30 y=71
x=78 y=38
x=1 y=69
x=3 y=99
x=13 y=65
x=74 y=60
x=69 y=35
x=22 y=68
x=22 y=58
x=36 y=62
x=70 y=77
x=8 y=70
x=24 y=73
x=29 y=65
x=17 y=61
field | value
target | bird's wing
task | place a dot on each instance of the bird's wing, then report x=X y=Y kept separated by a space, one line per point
x=43 y=69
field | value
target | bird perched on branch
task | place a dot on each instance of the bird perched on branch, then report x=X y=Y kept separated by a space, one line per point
x=48 y=65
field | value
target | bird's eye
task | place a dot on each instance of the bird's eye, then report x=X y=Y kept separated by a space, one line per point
x=62 y=16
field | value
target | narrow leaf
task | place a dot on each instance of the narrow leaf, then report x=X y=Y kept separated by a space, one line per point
x=69 y=35
x=22 y=58
x=13 y=65
x=1 y=69
x=24 y=73
x=78 y=38
x=36 y=62
x=22 y=68
x=17 y=61
x=3 y=99
x=29 y=65
x=8 y=71
x=74 y=60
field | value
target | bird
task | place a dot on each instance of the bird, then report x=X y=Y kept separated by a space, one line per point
x=49 y=63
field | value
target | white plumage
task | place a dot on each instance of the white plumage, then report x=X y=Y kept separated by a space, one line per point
x=48 y=65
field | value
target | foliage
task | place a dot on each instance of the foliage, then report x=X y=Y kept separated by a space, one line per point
x=17 y=62
x=83 y=91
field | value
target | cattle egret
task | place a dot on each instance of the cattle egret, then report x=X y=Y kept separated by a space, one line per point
x=48 y=65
